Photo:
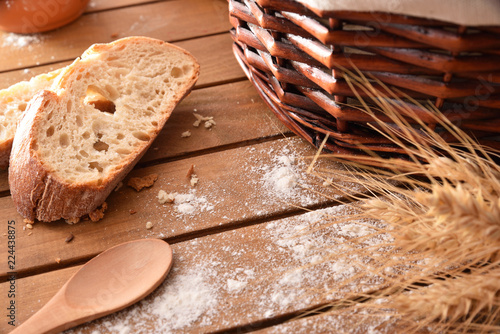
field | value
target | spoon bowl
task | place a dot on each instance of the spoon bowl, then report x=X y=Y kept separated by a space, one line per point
x=113 y=280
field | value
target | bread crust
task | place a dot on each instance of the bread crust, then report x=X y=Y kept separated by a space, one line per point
x=24 y=91
x=36 y=190
x=5 y=148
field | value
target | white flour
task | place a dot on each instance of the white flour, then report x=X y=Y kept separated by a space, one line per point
x=284 y=179
x=183 y=299
x=262 y=270
x=20 y=41
x=235 y=285
x=319 y=251
x=293 y=263
x=186 y=204
x=273 y=180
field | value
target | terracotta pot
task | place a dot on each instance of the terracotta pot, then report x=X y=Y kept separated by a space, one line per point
x=32 y=16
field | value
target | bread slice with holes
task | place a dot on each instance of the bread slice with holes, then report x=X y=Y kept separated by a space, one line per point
x=13 y=102
x=76 y=142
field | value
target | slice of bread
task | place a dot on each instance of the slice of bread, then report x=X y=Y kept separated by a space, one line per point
x=75 y=143
x=13 y=102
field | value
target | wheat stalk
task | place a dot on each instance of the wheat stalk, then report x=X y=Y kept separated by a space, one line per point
x=451 y=217
x=455 y=303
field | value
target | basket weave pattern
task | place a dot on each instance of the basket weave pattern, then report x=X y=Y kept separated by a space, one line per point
x=294 y=57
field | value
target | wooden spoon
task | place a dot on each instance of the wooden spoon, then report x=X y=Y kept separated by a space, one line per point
x=113 y=280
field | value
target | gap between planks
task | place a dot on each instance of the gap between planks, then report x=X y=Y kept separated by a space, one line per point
x=177 y=232
x=284 y=318
x=248 y=122
x=216 y=149
x=253 y=324
x=210 y=231
x=59 y=63
x=221 y=42
x=194 y=154
x=188 y=12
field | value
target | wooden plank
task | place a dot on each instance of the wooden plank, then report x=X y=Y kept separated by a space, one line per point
x=240 y=114
x=236 y=187
x=43 y=286
x=350 y=320
x=217 y=61
x=170 y=21
x=214 y=53
x=242 y=279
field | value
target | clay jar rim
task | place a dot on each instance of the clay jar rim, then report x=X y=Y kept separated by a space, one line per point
x=34 y=16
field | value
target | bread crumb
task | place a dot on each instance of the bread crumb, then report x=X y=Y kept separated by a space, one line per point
x=209 y=121
x=29 y=226
x=138 y=183
x=98 y=213
x=149 y=225
x=190 y=171
x=186 y=134
x=132 y=211
x=30 y=233
x=114 y=35
x=209 y=124
x=58 y=260
x=163 y=197
x=69 y=238
x=28 y=221
x=194 y=180
x=72 y=221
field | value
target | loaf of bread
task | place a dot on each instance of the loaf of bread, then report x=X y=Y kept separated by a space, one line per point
x=13 y=102
x=76 y=142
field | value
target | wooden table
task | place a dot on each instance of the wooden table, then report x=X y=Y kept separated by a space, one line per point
x=243 y=254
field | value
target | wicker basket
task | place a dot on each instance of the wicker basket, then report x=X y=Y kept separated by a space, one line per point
x=294 y=57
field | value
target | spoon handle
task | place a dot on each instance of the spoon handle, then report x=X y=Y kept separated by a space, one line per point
x=132 y=270
x=52 y=318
